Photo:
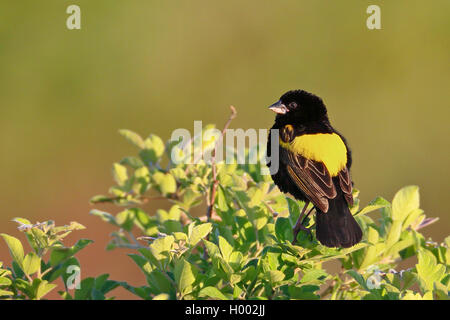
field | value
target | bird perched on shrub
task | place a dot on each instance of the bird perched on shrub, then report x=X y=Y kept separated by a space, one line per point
x=314 y=167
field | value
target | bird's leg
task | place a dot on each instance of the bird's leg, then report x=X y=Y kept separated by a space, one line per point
x=299 y=226
x=310 y=210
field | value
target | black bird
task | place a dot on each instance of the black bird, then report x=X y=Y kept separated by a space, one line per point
x=314 y=167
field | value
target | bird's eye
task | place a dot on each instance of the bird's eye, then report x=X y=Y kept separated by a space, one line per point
x=292 y=105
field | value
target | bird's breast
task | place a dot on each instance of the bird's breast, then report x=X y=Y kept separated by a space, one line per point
x=323 y=147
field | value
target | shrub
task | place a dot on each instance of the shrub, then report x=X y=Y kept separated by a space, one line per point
x=240 y=248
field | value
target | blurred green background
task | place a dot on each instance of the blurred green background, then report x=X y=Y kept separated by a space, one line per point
x=153 y=66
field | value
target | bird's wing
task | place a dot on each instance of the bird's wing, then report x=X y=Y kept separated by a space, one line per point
x=346 y=185
x=312 y=177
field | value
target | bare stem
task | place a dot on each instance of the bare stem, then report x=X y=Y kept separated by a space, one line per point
x=272 y=211
x=212 y=196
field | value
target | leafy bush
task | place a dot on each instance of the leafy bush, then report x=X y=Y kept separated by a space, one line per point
x=31 y=276
x=241 y=248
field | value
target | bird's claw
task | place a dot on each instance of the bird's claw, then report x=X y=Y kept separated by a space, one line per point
x=297 y=230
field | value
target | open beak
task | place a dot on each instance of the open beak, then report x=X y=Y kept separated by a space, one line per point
x=279 y=108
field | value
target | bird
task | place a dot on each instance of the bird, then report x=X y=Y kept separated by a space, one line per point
x=314 y=162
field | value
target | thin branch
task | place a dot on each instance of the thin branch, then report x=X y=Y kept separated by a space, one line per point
x=133 y=238
x=272 y=211
x=129 y=246
x=212 y=196
x=46 y=271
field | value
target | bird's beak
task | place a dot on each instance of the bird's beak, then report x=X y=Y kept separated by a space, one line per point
x=279 y=108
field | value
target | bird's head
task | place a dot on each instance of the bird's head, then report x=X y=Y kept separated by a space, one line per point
x=300 y=105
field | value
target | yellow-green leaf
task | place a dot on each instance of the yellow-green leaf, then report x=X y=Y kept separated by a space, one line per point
x=225 y=248
x=199 y=232
x=213 y=293
x=15 y=248
x=31 y=263
x=405 y=201
x=184 y=276
x=120 y=174
x=428 y=270
x=132 y=137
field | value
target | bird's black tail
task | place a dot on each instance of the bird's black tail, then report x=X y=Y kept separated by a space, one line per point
x=337 y=227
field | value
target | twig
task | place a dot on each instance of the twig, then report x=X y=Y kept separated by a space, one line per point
x=133 y=238
x=299 y=225
x=129 y=246
x=212 y=196
x=46 y=271
x=272 y=211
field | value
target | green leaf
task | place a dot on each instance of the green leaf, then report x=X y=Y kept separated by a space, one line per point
x=41 y=288
x=100 y=199
x=221 y=199
x=410 y=295
x=405 y=201
x=409 y=278
x=174 y=213
x=399 y=246
x=237 y=291
x=159 y=282
x=304 y=292
x=313 y=275
x=142 y=263
x=5 y=293
x=105 y=216
x=133 y=137
x=274 y=276
x=120 y=174
x=294 y=210
x=180 y=236
x=161 y=247
x=154 y=149
x=31 y=263
x=225 y=248
x=22 y=221
x=184 y=276
x=97 y=295
x=375 y=204
x=166 y=182
x=161 y=296
x=132 y=162
x=5 y=281
x=15 y=248
x=283 y=229
x=359 y=278
x=372 y=254
x=236 y=258
x=199 y=232
x=413 y=216
x=256 y=197
x=394 y=233
x=428 y=270
x=372 y=235
x=58 y=255
x=213 y=293
x=64 y=270
x=441 y=291
x=212 y=249
x=84 y=293
x=126 y=219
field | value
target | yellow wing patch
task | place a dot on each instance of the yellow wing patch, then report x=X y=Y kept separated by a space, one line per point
x=324 y=147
